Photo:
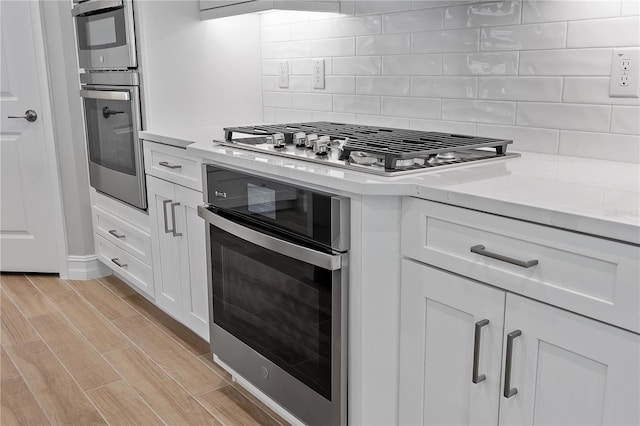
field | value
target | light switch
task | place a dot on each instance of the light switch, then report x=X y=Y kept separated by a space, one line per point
x=283 y=74
x=318 y=73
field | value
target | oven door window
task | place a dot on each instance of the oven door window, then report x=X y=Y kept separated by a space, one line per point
x=111 y=134
x=279 y=306
x=102 y=31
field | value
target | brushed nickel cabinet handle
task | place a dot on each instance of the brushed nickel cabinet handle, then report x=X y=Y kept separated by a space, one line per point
x=115 y=233
x=480 y=249
x=475 y=377
x=117 y=262
x=170 y=166
x=166 y=221
x=173 y=218
x=508 y=390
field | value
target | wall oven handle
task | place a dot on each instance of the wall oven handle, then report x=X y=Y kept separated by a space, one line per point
x=304 y=254
x=94 y=6
x=166 y=220
x=109 y=95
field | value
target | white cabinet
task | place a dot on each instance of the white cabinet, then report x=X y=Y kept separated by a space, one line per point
x=210 y=9
x=563 y=368
x=576 y=362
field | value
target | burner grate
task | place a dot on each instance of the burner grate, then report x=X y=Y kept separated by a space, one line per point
x=392 y=144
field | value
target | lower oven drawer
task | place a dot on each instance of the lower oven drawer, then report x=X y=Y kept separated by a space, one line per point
x=133 y=269
x=592 y=276
x=123 y=234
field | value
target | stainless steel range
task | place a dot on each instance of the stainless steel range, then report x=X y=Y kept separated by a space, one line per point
x=379 y=150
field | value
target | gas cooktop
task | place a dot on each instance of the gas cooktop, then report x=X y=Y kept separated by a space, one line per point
x=379 y=150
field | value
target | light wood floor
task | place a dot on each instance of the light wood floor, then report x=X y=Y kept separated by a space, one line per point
x=96 y=352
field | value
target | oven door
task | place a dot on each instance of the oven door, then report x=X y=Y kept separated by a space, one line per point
x=105 y=32
x=278 y=316
x=112 y=119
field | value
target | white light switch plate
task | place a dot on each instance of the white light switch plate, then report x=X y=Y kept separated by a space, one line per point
x=318 y=73
x=625 y=81
x=283 y=74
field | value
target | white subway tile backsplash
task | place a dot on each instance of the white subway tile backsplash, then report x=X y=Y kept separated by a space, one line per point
x=297 y=83
x=445 y=87
x=524 y=138
x=270 y=67
x=339 y=84
x=312 y=101
x=564 y=116
x=625 y=119
x=411 y=107
x=617 y=32
x=570 y=62
x=603 y=146
x=357 y=104
x=266 y=51
x=310 y=30
x=292 y=115
x=275 y=33
x=630 y=7
x=383 y=121
x=521 y=88
x=392 y=44
x=482 y=14
x=304 y=66
x=412 y=65
x=399 y=86
x=269 y=115
x=568 y=10
x=524 y=37
x=291 y=49
x=282 y=17
x=364 y=7
x=591 y=90
x=348 y=27
x=276 y=99
x=479 y=111
x=463 y=128
x=485 y=63
x=269 y=83
x=333 y=47
x=357 y=65
x=412 y=21
x=337 y=117
x=445 y=41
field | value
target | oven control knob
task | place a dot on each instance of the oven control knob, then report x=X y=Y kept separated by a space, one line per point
x=311 y=140
x=300 y=139
x=321 y=145
x=265 y=373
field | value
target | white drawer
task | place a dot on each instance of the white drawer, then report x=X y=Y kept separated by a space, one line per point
x=592 y=276
x=134 y=271
x=173 y=164
x=123 y=234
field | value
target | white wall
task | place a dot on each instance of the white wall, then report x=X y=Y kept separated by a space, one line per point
x=198 y=73
x=533 y=71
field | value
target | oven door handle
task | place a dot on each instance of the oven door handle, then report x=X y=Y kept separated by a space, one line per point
x=94 y=6
x=109 y=95
x=304 y=254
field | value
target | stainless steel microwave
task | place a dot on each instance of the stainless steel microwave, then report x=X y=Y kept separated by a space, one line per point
x=105 y=34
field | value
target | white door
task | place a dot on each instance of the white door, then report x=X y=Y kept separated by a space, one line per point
x=568 y=369
x=27 y=219
x=445 y=321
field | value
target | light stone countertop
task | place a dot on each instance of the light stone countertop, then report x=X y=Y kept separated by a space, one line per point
x=585 y=195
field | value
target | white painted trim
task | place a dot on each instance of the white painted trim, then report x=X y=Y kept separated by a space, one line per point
x=86 y=268
x=53 y=172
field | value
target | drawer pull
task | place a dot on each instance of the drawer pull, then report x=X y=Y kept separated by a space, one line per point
x=115 y=233
x=170 y=166
x=475 y=377
x=173 y=218
x=117 y=262
x=508 y=390
x=479 y=249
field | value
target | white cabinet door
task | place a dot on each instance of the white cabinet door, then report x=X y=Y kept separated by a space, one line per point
x=165 y=245
x=439 y=313
x=193 y=266
x=568 y=369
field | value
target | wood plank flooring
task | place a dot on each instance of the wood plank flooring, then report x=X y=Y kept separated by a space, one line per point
x=96 y=352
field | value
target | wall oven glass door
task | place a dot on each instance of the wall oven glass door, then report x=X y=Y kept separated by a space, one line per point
x=112 y=121
x=283 y=300
x=105 y=34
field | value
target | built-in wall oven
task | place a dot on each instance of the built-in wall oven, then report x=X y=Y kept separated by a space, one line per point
x=111 y=102
x=105 y=34
x=277 y=269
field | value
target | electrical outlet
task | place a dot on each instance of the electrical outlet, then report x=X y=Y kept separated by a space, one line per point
x=318 y=73
x=625 y=79
x=283 y=74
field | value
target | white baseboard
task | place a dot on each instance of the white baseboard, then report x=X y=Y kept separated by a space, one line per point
x=86 y=268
